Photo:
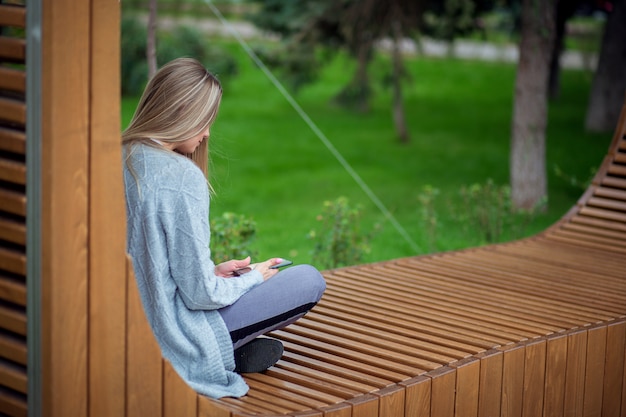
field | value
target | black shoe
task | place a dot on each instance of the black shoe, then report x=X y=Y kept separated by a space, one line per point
x=258 y=355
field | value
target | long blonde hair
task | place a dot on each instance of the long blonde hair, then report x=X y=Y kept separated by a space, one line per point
x=180 y=102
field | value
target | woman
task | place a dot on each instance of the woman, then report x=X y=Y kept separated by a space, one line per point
x=205 y=317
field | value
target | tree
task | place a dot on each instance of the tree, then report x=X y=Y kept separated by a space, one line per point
x=151 y=49
x=609 y=82
x=530 y=112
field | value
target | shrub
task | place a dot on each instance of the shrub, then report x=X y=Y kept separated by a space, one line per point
x=339 y=240
x=231 y=237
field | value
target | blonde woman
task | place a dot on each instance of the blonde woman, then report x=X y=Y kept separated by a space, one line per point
x=206 y=318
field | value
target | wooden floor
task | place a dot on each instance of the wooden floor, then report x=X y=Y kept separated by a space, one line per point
x=529 y=328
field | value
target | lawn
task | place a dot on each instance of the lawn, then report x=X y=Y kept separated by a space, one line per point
x=269 y=165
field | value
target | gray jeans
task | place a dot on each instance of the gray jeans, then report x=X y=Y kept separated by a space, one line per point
x=274 y=304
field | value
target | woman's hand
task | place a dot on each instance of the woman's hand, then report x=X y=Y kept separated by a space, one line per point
x=264 y=267
x=235 y=267
x=227 y=269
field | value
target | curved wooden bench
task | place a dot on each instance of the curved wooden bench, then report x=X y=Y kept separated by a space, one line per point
x=533 y=327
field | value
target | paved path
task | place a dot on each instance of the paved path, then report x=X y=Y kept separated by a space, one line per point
x=428 y=47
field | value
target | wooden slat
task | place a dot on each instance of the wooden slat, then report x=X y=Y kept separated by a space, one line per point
x=13 y=202
x=12 y=49
x=12 y=231
x=617 y=170
x=12 y=171
x=12 y=290
x=12 y=140
x=12 y=15
x=13 y=261
x=12 y=79
x=13 y=377
x=13 y=111
x=467 y=387
x=13 y=349
x=554 y=388
x=614 y=369
x=12 y=404
x=575 y=373
x=534 y=378
x=13 y=320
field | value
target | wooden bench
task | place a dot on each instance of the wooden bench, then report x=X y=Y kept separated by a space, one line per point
x=536 y=325
x=528 y=328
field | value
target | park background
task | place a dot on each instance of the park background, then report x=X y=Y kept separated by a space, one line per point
x=281 y=192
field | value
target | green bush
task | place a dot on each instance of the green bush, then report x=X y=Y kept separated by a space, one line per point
x=231 y=237
x=339 y=241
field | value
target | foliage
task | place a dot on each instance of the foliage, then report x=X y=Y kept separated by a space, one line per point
x=180 y=41
x=339 y=240
x=428 y=214
x=488 y=210
x=231 y=237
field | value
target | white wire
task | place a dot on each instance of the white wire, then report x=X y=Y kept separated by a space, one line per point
x=314 y=127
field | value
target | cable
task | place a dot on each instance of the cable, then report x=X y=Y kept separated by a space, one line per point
x=314 y=127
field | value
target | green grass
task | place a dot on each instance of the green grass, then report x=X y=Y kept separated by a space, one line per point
x=267 y=163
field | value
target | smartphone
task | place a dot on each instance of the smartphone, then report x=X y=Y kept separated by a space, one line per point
x=282 y=264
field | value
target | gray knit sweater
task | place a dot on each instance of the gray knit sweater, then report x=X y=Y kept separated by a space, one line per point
x=167 y=206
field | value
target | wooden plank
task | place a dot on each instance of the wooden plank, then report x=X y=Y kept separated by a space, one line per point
x=210 y=408
x=418 y=392
x=64 y=206
x=594 y=370
x=363 y=406
x=144 y=363
x=179 y=400
x=337 y=410
x=13 y=202
x=13 y=377
x=534 y=378
x=12 y=231
x=614 y=369
x=12 y=290
x=12 y=171
x=13 y=349
x=12 y=79
x=512 y=380
x=443 y=387
x=13 y=320
x=12 y=15
x=13 y=110
x=490 y=383
x=12 y=140
x=13 y=261
x=391 y=401
x=467 y=387
x=575 y=373
x=13 y=49
x=13 y=405
x=556 y=365
x=107 y=228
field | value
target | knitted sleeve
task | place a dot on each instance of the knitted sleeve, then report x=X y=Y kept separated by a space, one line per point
x=184 y=217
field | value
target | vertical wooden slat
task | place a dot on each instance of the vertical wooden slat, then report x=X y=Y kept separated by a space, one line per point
x=534 y=378
x=490 y=392
x=107 y=228
x=418 y=395
x=144 y=373
x=613 y=369
x=64 y=230
x=594 y=371
x=391 y=401
x=210 y=408
x=363 y=406
x=467 y=387
x=575 y=373
x=179 y=400
x=554 y=390
x=512 y=381
x=443 y=385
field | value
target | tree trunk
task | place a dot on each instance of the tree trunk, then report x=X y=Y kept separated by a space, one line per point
x=151 y=39
x=398 y=72
x=530 y=110
x=609 y=82
x=565 y=10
